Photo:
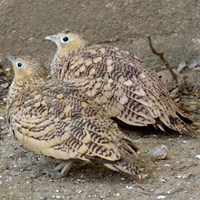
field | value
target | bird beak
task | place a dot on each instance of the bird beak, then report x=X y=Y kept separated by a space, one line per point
x=10 y=58
x=50 y=38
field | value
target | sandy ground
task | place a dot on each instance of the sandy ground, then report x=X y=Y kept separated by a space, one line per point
x=177 y=177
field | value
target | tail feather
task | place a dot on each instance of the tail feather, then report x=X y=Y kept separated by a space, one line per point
x=184 y=117
x=129 y=162
x=178 y=125
x=128 y=167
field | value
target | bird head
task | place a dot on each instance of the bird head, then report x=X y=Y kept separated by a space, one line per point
x=66 y=41
x=26 y=68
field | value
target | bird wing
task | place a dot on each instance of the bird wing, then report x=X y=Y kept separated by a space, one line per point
x=58 y=121
x=116 y=80
x=122 y=84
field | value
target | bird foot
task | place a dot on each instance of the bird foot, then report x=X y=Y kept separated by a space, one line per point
x=60 y=171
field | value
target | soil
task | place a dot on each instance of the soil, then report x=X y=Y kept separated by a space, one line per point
x=22 y=172
x=176 y=177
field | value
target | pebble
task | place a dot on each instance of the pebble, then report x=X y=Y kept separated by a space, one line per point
x=197 y=156
x=193 y=65
x=181 y=66
x=129 y=187
x=162 y=180
x=160 y=153
x=161 y=197
x=56 y=197
x=179 y=176
x=79 y=191
x=5 y=85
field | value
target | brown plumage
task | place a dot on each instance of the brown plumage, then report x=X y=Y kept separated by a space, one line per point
x=116 y=79
x=55 y=119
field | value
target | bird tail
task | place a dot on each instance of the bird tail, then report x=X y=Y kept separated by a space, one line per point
x=179 y=125
x=178 y=122
x=129 y=162
x=129 y=167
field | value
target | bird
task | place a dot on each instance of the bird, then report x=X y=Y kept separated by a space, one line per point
x=117 y=80
x=57 y=120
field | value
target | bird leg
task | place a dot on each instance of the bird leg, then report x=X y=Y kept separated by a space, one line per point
x=61 y=170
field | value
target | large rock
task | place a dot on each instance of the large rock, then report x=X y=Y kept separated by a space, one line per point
x=173 y=25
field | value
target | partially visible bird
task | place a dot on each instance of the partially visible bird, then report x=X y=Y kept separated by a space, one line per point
x=55 y=119
x=117 y=80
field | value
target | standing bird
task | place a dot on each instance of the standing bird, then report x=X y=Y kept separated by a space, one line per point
x=116 y=79
x=55 y=119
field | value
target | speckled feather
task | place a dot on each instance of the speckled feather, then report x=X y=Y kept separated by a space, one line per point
x=117 y=80
x=55 y=119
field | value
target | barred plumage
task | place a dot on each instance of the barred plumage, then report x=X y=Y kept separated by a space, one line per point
x=56 y=119
x=117 y=80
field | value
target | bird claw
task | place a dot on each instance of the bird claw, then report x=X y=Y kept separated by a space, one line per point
x=59 y=171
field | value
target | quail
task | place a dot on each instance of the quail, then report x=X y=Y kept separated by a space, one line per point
x=56 y=119
x=118 y=81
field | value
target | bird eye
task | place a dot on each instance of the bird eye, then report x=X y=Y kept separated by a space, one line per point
x=19 y=64
x=64 y=39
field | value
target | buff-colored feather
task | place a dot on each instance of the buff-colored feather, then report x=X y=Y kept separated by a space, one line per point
x=56 y=119
x=117 y=80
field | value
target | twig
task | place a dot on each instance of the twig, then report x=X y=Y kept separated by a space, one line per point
x=161 y=55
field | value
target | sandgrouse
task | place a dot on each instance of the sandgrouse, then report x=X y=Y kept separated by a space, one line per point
x=117 y=80
x=55 y=119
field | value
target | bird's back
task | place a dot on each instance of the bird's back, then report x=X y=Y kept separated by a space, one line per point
x=122 y=84
x=57 y=120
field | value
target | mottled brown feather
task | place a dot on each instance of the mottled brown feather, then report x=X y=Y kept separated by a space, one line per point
x=56 y=119
x=117 y=80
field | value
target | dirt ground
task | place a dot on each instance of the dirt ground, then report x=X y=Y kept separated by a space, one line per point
x=21 y=171
x=177 y=177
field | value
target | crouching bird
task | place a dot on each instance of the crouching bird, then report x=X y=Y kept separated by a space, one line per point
x=56 y=119
x=118 y=80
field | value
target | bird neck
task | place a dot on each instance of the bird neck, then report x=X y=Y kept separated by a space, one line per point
x=54 y=64
x=14 y=91
x=64 y=54
x=17 y=87
x=58 y=62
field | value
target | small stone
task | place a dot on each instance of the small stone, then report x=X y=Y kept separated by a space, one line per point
x=162 y=180
x=5 y=85
x=129 y=187
x=161 y=197
x=181 y=66
x=180 y=176
x=1 y=117
x=197 y=156
x=160 y=153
